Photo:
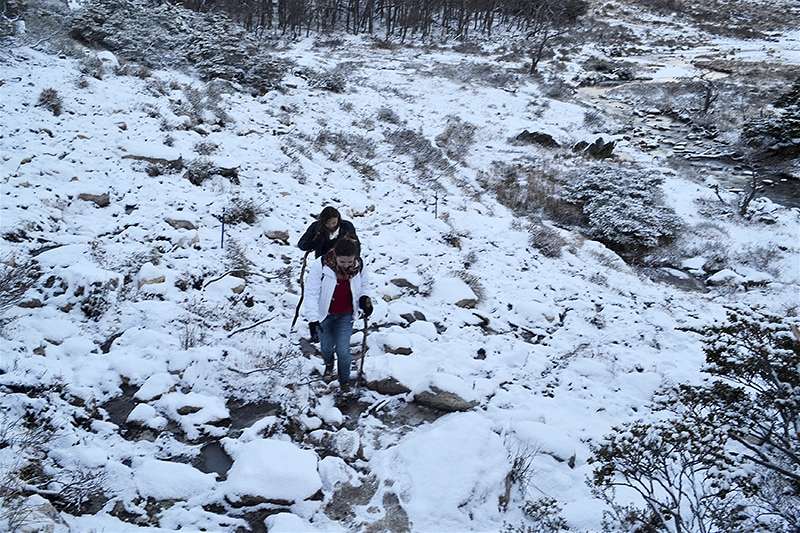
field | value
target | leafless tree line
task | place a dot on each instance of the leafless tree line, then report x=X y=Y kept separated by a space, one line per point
x=392 y=18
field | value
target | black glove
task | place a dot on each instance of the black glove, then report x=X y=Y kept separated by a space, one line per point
x=365 y=304
x=313 y=328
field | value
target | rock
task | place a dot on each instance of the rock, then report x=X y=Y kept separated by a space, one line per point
x=536 y=137
x=172 y=164
x=40 y=516
x=180 y=224
x=442 y=400
x=346 y=443
x=188 y=410
x=388 y=386
x=408 y=317
x=725 y=277
x=404 y=284
x=599 y=149
x=281 y=236
x=400 y=350
x=32 y=303
x=149 y=275
x=467 y=303
x=100 y=200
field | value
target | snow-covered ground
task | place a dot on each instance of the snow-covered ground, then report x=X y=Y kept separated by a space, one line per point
x=554 y=352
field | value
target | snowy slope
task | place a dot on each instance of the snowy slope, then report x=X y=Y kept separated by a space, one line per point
x=573 y=345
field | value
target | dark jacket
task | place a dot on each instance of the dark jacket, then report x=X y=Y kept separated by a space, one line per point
x=313 y=240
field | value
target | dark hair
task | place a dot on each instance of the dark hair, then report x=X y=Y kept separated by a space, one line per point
x=346 y=248
x=328 y=213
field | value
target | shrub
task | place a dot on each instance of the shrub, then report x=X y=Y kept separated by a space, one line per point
x=721 y=455
x=545 y=239
x=387 y=114
x=333 y=81
x=457 y=136
x=346 y=144
x=623 y=206
x=206 y=148
x=202 y=105
x=93 y=66
x=50 y=100
x=428 y=160
x=167 y=35
x=242 y=210
x=199 y=170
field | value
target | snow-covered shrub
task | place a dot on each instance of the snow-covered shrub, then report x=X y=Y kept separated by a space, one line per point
x=779 y=128
x=541 y=516
x=205 y=148
x=242 y=210
x=473 y=282
x=91 y=65
x=167 y=35
x=199 y=170
x=545 y=239
x=623 y=206
x=236 y=259
x=51 y=100
x=723 y=452
x=457 y=136
x=16 y=279
x=387 y=114
x=333 y=81
x=346 y=144
x=529 y=190
x=428 y=160
x=202 y=105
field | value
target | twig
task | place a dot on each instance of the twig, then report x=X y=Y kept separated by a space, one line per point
x=240 y=330
x=237 y=271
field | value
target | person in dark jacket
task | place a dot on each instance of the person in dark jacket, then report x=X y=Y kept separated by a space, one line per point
x=322 y=234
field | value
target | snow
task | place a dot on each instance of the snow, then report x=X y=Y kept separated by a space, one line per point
x=271 y=469
x=165 y=480
x=458 y=462
x=573 y=345
x=288 y=523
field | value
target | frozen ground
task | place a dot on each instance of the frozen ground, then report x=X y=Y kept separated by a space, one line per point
x=548 y=356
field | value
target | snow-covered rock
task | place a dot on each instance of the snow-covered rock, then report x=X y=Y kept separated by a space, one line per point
x=270 y=470
x=288 y=523
x=166 y=480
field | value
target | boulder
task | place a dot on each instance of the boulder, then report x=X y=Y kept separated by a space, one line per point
x=100 y=200
x=281 y=236
x=388 y=386
x=443 y=400
x=536 y=137
x=599 y=149
x=180 y=224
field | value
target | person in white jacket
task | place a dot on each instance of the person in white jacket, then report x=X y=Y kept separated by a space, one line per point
x=336 y=289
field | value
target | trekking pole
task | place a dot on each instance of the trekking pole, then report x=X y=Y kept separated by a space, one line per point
x=363 y=354
x=302 y=290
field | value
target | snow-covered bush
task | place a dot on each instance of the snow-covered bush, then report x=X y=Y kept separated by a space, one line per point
x=203 y=105
x=387 y=114
x=167 y=35
x=545 y=239
x=529 y=191
x=346 y=144
x=457 y=136
x=779 y=128
x=16 y=278
x=428 y=160
x=623 y=206
x=242 y=210
x=51 y=100
x=206 y=148
x=91 y=65
x=723 y=453
x=199 y=170
x=541 y=516
x=333 y=81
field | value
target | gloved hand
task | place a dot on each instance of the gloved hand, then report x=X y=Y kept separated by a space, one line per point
x=365 y=304
x=313 y=329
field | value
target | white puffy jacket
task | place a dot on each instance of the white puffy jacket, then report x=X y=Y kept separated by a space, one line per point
x=320 y=284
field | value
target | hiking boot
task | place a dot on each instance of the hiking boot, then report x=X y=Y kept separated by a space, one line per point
x=344 y=388
x=328 y=374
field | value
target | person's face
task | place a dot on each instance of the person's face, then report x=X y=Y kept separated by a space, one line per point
x=332 y=223
x=346 y=261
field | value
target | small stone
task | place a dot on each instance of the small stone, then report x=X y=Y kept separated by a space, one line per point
x=404 y=284
x=33 y=303
x=180 y=224
x=278 y=235
x=188 y=410
x=100 y=200
x=400 y=350
x=467 y=303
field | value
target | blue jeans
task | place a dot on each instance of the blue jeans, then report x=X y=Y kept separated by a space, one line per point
x=335 y=333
